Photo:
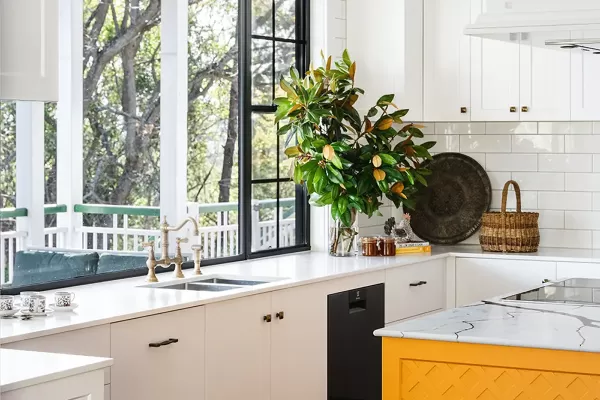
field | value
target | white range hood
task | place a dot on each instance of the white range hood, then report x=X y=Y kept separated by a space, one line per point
x=501 y=17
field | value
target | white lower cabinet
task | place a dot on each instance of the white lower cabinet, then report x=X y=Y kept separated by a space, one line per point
x=159 y=357
x=566 y=270
x=238 y=358
x=86 y=386
x=479 y=279
x=414 y=289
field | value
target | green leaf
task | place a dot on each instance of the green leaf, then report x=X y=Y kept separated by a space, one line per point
x=309 y=166
x=334 y=175
x=337 y=162
x=319 y=180
x=421 y=179
x=411 y=179
x=428 y=145
x=335 y=192
x=393 y=173
x=372 y=112
x=383 y=186
x=399 y=114
x=422 y=152
x=294 y=74
x=385 y=100
x=292 y=151
x=342 y=204
x=346 y=218
x=416 y=132
x=346 y=58
x=340 y=146
x=387 y=159
x=320 y=200
x=298 y=175
x=287 y=88
x=334 y=210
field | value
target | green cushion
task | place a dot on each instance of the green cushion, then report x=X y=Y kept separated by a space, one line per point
x=32 y=267
x=120 y=262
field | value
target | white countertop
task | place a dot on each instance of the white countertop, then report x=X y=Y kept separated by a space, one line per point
x=20 y=369
x=520 y=324
x=119 y=300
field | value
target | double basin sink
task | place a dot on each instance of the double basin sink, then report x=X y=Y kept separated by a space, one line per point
x=214 y=283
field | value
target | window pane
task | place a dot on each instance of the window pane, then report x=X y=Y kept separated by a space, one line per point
x=285 y=163
x=8 y=154
x=121 y=122
x=262 y=72
x=262 y=17
x=285 y=57
x=264 y=146
x=285 y=19
x=213 y=168
x=264 y=224
x=287 y=214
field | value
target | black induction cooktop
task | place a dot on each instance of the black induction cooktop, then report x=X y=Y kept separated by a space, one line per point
x=569 y=291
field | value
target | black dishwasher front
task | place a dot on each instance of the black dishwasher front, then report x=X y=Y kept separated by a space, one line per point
x=353 y=353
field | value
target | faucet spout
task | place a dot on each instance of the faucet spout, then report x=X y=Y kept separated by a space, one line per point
x=183 y=223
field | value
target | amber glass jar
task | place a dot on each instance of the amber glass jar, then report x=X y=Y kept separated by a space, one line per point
x=388 y=246
x=369 y=246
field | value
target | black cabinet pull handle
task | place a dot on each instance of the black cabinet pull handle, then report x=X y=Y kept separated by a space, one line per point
x=279 y=315
x=164 y=343
x=418 y=283
x=267 y=318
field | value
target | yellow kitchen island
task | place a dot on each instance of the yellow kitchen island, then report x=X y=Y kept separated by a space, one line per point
x=495 y=350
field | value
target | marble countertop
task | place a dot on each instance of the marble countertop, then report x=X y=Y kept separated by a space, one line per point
x=21 y=369
x=119 y=300
x=508 y=323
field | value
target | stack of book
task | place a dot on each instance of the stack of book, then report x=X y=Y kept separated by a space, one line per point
x=412 y=248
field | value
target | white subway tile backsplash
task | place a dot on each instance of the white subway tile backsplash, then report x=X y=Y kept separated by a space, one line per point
x=582 y=220
x=582 y=144
x=557 y=165
x=460 y=128
x=566 y=238
x=565 y=162
x=565 y=128
x=445 y=143
x=596 y=202
x=554 y=181
x=565 y=201
x=582 y=182
x=551 y=219
x=485 y=144
x=509 y=128
x=338 y=28
x=498 y=179
x=339 y=10
x=538 y=144
x=511 y=162
x=529 y=200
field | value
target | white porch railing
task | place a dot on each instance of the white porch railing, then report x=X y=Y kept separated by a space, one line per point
x=10 y=243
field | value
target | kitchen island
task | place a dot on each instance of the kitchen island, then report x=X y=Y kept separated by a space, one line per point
x=498 y=349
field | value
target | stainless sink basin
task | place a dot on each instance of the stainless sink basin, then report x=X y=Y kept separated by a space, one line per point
x=200 y=287
x=215 y=283
x=229 y=281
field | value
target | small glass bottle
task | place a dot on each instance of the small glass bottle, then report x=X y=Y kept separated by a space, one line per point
x=388 y=246
x=369 y=246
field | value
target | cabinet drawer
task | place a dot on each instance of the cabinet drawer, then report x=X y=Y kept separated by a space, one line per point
x=566 y=270
x=414 y=289
x=162 y=371
x=94 y=342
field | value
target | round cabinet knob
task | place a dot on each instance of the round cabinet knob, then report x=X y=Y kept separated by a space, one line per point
x=267 y=318
x=463 y=110
x=279 y=315
x=524 y=109
x=513 y=109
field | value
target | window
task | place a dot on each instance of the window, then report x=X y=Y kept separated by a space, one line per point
x=238 y=179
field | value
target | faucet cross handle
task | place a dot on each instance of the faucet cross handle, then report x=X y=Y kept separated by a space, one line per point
x=149 y=244
x=181 y=240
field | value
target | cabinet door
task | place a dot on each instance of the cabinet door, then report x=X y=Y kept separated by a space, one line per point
x=585 y=80
x=385 y=37
x=299 y=343
x=495 y=78
x=238 y=349
x=480 y=279
x=29 y=50
x=171 y=371
x=545 y=78
x=447 y=60
x=414 y=289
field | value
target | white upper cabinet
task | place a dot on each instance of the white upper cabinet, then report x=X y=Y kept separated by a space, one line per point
x=29 y=50
x=545 y=78
x=447 y=60
x=385 y=37
x=585 y=80
x=495 y=78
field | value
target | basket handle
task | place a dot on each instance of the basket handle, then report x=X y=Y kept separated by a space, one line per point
x=505 y=195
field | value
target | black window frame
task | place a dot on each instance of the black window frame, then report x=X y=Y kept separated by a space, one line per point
x=246 y=110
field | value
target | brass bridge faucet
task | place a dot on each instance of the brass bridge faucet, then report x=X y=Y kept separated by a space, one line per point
x=165 y=261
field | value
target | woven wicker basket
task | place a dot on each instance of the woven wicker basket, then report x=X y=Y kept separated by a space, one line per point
x=514 y=232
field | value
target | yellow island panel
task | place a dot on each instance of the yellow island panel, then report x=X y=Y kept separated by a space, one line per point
x=431 y=370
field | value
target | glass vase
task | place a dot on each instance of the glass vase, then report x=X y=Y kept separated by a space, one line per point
x=343 y=240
